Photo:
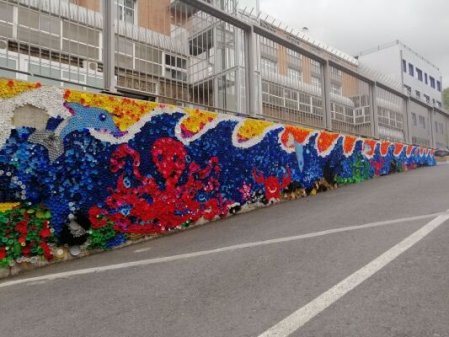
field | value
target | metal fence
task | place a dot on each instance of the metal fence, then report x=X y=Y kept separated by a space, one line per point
x=292 y=85
x=350 y=103
x=207 y=54
x=51 y=40
x=391 y=116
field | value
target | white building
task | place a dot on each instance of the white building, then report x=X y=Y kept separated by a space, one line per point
x=420 y=78
x=421 y=81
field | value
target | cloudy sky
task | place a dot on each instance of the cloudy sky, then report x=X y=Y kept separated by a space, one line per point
x=356 y=25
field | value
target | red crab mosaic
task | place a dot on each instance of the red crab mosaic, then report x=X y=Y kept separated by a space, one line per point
x=273 y=187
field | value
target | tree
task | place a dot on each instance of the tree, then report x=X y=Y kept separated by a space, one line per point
x=446 y=98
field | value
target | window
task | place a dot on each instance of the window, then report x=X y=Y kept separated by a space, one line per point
x=81 y=39
x=316 y=66
x=335 y=72
x=414 y=118
x=426 y=78
x=316 y=81
x=37 y=28
x=432 y=82
x=419 y=73
x=268 y=66
x=390 y=118
x=411 y=70
x=422 y=121
x=336 y=89
x=293 y=53
x=294 y=75
x=427 y=99
x=276 y=95
x=404 y=66
x=126 y=10
x=175 y=67
x=438 y=85
x=418 y=93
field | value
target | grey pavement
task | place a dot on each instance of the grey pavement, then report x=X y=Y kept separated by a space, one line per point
x=244 y=292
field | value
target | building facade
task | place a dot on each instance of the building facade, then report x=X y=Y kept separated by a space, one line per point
x=205 y=57
x=419 y=77
x=421 y=80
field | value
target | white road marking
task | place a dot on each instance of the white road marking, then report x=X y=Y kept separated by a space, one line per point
x=37 y=283
x=142 y=250
x=300 y=317
x=209 y=252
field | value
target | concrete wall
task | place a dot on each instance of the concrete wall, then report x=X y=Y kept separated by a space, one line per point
x=154 y=15
x=94 y=5
x=92 y=172
x=421 y=134
x=385 y=60
x=440 y=130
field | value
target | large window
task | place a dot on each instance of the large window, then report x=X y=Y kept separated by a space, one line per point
x=432 y=82
x=293 y=53
x=294 y=75
x=419 y=73
x=315 y=81
x=38 y=28
x=126 y=10
x=268 y=66
x=175 y=67
x=276 y=95
x=336 y=89
x=390 y=118
x=422 y=121
x=316 y=66
x=411 y=70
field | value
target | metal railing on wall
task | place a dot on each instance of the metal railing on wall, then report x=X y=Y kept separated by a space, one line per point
x=199 y=53
x=54 y=41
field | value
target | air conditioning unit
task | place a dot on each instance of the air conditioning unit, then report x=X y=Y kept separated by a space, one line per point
x=90 y=66
x=3 y=44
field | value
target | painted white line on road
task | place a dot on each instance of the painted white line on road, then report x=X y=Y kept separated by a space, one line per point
x=142 y=250
x=300 y=317
x=209 y=252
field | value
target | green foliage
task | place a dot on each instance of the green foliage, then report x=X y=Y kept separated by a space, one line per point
x=446 y=98
x=100 y=237
x=25 y=233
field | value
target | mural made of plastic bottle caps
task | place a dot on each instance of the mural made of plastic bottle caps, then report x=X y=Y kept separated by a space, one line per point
x=81 y=171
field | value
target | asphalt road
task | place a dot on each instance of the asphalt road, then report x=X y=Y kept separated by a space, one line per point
x=224 y=279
